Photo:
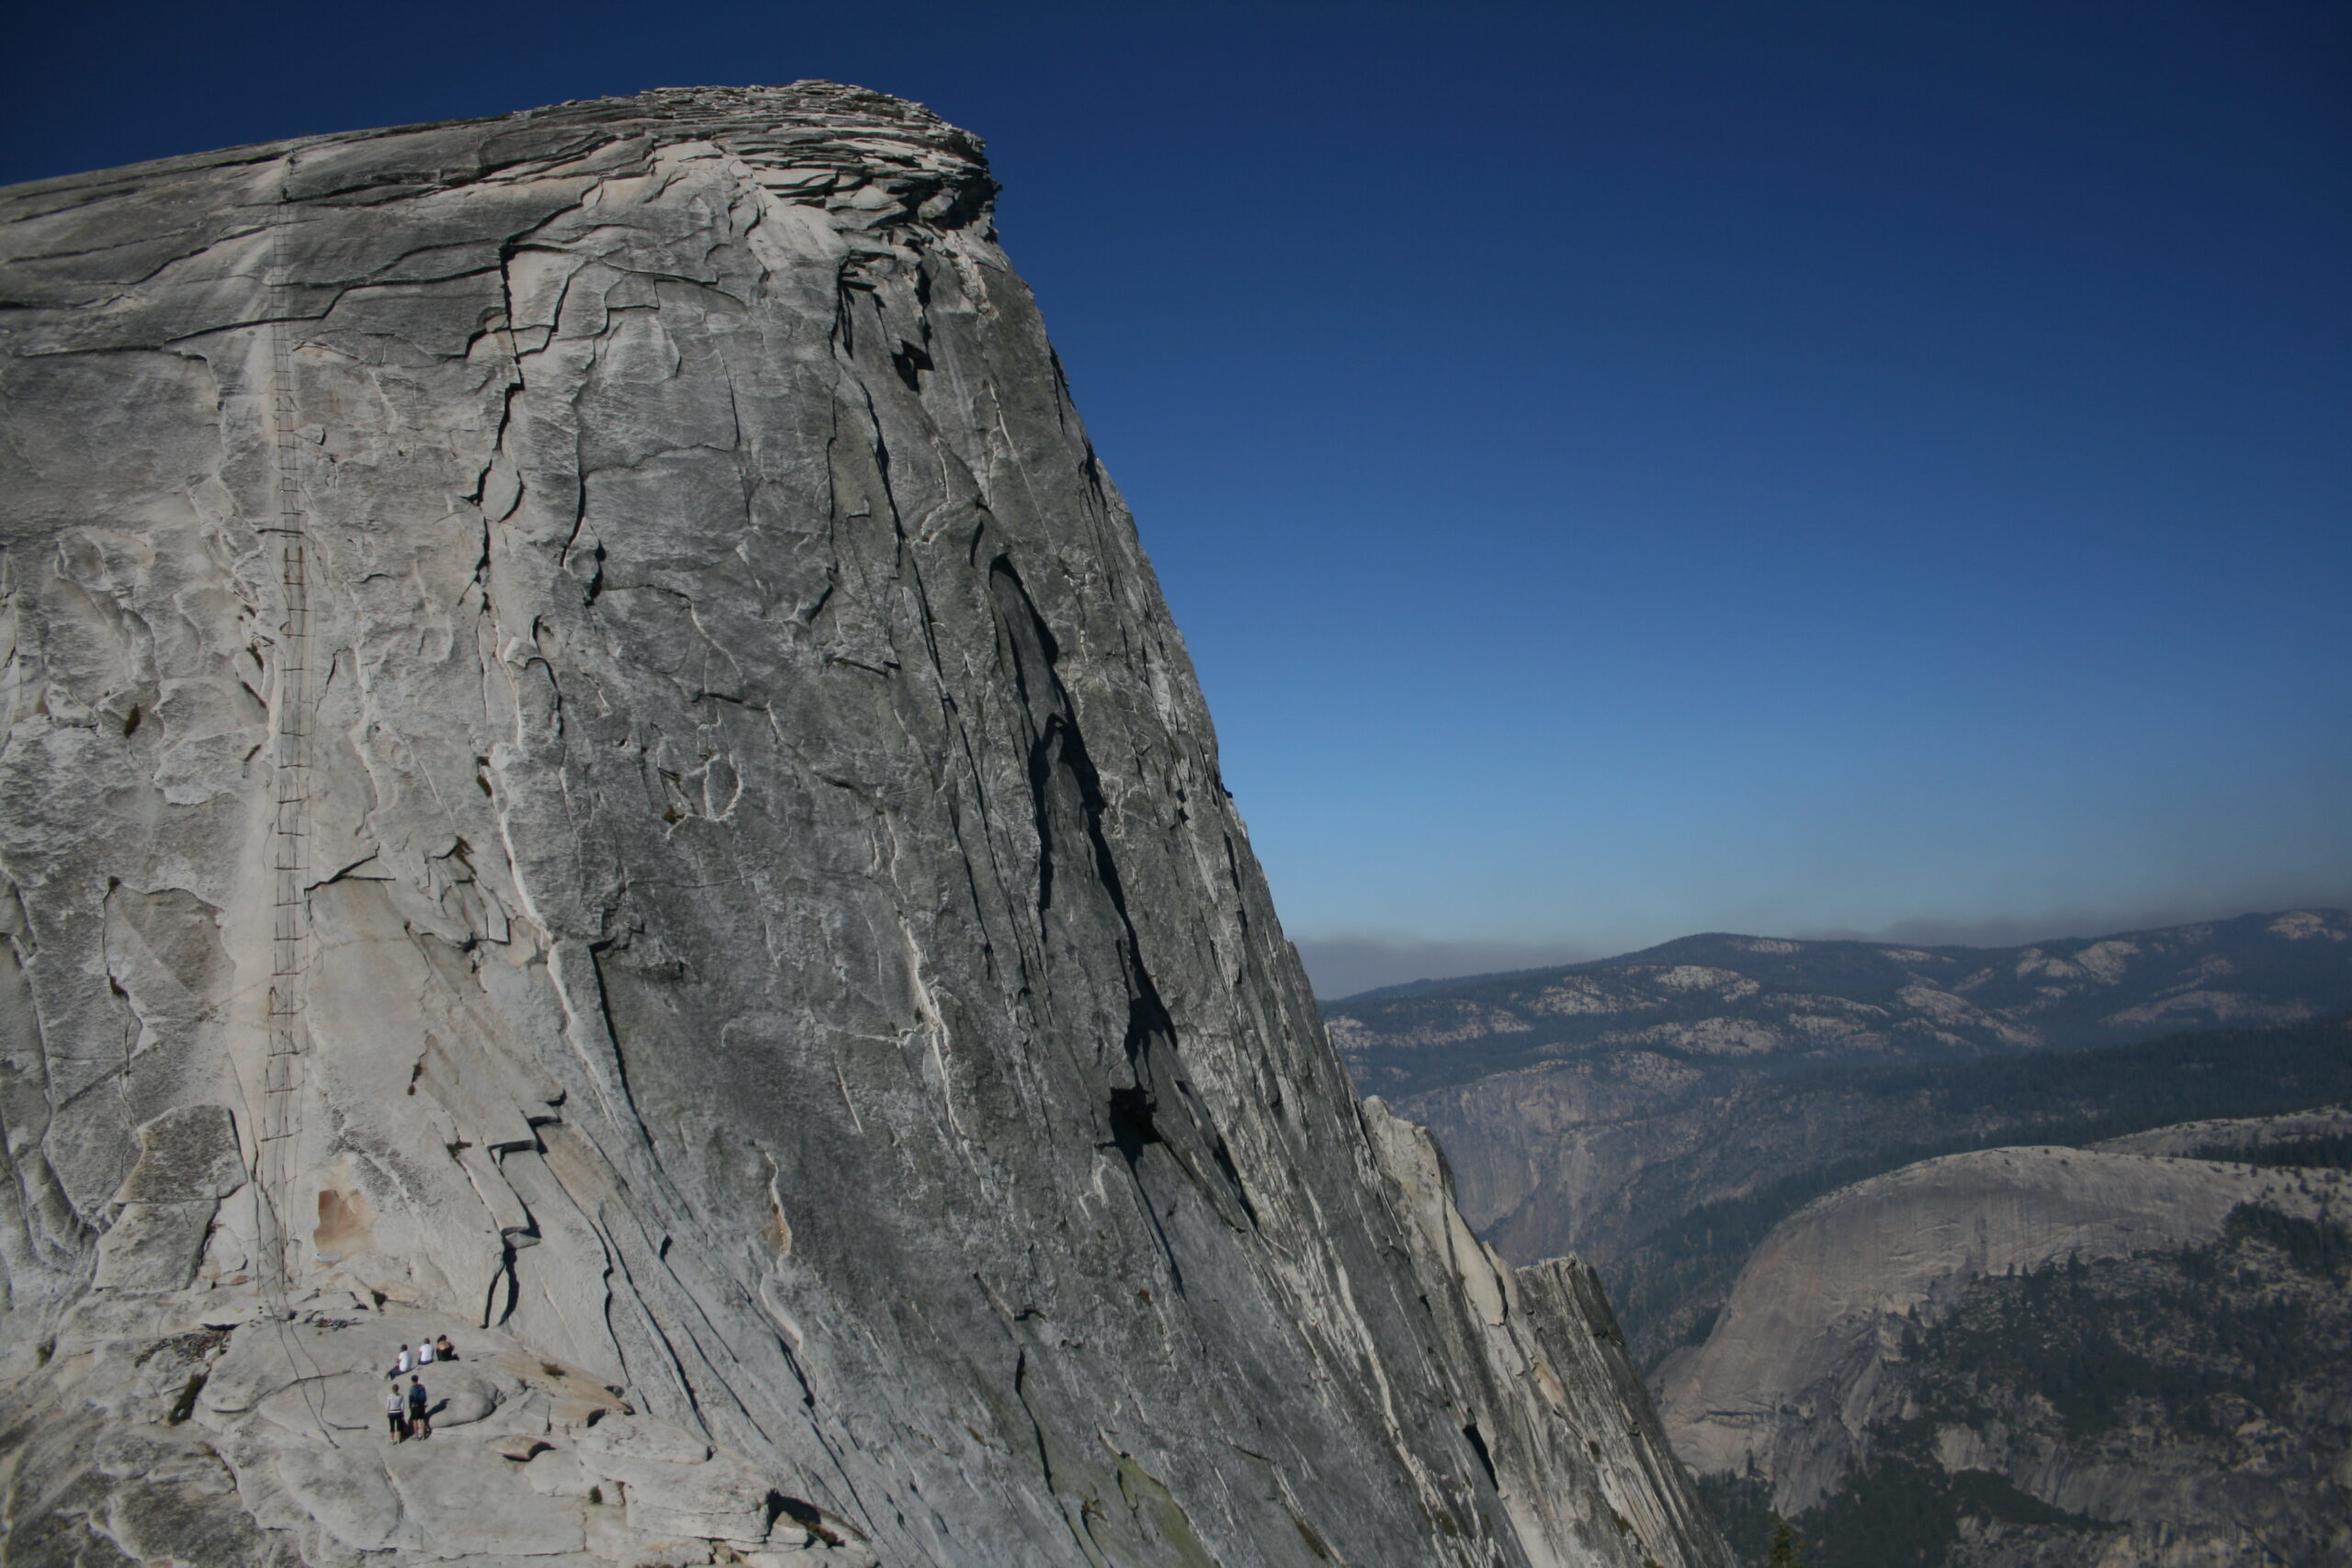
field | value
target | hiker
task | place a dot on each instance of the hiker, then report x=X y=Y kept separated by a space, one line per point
x=424 y=1352
x=400 y=1368
x=419 y=1421
x=396 y=1412
x=444 y=1351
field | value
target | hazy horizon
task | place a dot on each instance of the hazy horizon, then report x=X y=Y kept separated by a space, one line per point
x=1347 y=965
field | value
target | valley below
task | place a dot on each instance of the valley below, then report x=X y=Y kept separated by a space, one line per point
x=1977 y=1257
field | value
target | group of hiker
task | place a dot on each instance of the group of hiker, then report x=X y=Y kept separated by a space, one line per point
x=408 y=1409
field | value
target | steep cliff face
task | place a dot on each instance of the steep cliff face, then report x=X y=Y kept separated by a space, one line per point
x=594 y=765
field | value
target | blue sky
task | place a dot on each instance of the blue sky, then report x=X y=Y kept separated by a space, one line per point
x=1621 y=470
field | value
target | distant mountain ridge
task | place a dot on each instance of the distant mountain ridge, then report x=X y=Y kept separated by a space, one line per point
x=1776 y=1003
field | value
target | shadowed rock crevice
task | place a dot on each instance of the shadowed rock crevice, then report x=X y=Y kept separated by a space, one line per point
x=1068 y=808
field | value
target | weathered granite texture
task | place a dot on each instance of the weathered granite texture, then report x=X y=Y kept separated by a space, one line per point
x=772 y=969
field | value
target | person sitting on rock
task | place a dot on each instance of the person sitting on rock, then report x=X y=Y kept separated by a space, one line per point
x=400 y=1368
x=424 y=1352
x=396 y=1412
x=419 y=1420
x=444 y=1351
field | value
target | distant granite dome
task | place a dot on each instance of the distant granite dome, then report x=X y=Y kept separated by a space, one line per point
x=594 y=766
x=2135 y=1354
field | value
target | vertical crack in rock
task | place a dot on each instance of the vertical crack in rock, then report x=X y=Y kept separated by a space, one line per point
x=592 y=765
x=1066 y=794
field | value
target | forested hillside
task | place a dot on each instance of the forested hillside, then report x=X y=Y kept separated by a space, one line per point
x=2177 y=1404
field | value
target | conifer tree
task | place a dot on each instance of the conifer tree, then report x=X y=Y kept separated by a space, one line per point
x=1786 y=1548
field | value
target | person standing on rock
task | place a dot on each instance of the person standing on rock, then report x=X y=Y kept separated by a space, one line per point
x=396 y=1412
x=419 y=1422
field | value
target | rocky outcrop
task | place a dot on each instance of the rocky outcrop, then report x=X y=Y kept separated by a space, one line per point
x=593 y=764
x=1525 y=1327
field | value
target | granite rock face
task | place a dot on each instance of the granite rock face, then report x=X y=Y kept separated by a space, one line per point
x=593 y=764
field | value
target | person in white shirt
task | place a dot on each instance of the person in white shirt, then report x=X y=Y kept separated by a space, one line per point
x=400 y=1368
x=424 y=1352
x=396 y=1412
